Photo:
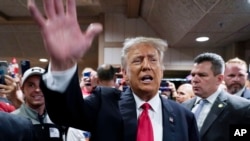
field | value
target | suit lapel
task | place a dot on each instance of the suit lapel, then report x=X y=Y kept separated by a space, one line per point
x=169 y=119
x=190 y=104
x=127 y=108
x=218 y=106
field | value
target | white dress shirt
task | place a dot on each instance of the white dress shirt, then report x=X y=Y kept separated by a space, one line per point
x=58 y=80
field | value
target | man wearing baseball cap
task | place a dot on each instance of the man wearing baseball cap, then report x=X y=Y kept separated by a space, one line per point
x=34 y=107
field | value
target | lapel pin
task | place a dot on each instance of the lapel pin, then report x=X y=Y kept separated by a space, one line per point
x=171 y=119
x=220 y=105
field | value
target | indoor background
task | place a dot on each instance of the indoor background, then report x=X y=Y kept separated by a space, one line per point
x=179 y=22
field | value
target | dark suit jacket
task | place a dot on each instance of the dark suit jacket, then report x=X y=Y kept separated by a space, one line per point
x=227 y=110
x=111 y=115
x=246 y=94
x=15 y=128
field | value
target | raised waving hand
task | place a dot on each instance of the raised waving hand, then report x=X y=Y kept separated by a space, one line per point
x=63 y=38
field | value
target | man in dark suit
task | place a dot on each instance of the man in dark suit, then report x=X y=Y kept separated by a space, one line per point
x=221 y=110
x=15 y=128
x=108 y=113
x=236 y=77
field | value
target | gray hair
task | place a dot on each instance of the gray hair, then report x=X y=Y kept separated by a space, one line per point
x=159 y=44
x=217 y=61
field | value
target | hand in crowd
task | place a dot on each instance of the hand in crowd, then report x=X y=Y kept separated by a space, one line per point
x=10 y=87
x=172 y=88
x=10 y=90
x=93 y=80
x=63 y=38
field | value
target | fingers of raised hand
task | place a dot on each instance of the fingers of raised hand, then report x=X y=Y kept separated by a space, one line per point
x=53 y=8
x=59 y=7
x=35 y=13
x=71 y=7
x=93 y=30
x=49 y=8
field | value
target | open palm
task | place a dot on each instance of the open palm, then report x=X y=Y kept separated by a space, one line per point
x=63 y=38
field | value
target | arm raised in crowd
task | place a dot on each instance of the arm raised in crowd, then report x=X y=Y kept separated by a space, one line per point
x=63 y=38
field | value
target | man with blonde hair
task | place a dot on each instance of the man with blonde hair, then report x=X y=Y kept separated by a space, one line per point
x=236 y=77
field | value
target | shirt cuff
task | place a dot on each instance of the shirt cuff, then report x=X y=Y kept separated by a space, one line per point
x=58 y=80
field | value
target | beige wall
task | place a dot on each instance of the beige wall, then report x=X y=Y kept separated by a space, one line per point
x=117 y=28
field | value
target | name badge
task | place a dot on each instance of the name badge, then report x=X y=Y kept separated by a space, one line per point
x=54 y=132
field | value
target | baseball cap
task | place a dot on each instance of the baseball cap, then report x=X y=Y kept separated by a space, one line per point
x=32 y=71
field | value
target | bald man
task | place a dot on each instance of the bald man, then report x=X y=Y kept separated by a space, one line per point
x=184 y=92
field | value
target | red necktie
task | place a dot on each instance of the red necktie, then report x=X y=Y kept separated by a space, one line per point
x=145 y=129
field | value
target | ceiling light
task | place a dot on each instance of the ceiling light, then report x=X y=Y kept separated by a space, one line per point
x=202 y=39
x=43 y=60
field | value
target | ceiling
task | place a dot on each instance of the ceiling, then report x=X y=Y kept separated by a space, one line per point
x=177 y=21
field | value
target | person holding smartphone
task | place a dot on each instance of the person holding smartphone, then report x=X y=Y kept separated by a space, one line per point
x=9 y=100
x=23 y=128
x=168 y=89
x=88 y=81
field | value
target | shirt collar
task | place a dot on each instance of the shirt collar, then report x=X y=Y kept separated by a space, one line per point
x=211 y=98
x=239 y=93
x=154 y=102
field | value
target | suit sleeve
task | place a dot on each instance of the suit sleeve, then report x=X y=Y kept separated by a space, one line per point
x=193 y=130
x=16 y=128
x=69 y=108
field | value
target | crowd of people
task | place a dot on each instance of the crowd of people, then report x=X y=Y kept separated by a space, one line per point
x=57 y=104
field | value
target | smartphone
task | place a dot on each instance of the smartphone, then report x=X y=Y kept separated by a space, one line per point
x=164 y=85
x=86 y=78
x=3 y=71
x=25 y=65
